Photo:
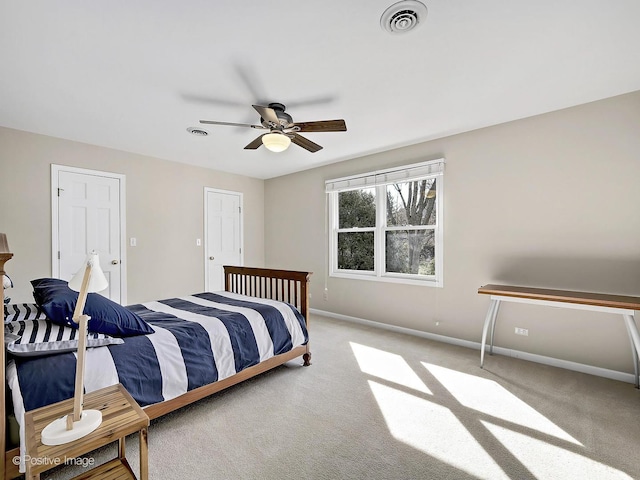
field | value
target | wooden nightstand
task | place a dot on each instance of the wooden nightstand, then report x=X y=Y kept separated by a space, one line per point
x=121 y=416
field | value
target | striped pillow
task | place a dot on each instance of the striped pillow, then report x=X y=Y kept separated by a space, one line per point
x=22 y=311
x=29 y=338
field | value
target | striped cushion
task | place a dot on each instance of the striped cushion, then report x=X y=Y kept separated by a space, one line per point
x=22 y=311
x=42 y=337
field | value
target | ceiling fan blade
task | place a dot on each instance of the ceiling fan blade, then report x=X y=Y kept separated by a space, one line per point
x=269 y=114
x=305 y=143
x=212 y=100
x=322 y=126
x=310 y=101
x=255 y=143
x=231 y=124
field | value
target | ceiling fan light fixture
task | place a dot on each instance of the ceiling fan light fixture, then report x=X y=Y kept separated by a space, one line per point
x=276 y=142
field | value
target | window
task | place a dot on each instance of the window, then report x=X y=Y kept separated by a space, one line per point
x=387 y=225
x=356 y=229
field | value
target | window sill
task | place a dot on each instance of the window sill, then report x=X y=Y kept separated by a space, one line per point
x=430 y=282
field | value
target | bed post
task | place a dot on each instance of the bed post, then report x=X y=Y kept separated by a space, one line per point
x=304 y=307
x=5 y=255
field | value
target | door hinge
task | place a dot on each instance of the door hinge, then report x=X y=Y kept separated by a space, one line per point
x=239 y=209
x=58 y=254
x=240 y=250
x=60 y=190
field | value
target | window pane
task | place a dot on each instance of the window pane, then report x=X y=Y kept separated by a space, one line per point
x=355 y=250
x=357 y=208
x=411 y=203
x=411 y=251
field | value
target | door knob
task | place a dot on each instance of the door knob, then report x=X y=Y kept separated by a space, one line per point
x=115 y=262
x=212 y=258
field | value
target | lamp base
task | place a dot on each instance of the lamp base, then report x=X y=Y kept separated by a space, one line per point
x=56 y=432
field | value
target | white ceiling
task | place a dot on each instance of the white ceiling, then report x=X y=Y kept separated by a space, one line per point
x=135 y=74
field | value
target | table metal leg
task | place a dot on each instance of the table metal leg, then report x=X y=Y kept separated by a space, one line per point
x=634 y=336
x=493 y=326
x=489 y=321
x=634 y=353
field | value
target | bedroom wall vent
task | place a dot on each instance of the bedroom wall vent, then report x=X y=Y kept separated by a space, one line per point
x=403 y=17
x=197 y=131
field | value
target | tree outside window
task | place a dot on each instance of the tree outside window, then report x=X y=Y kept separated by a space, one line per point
x=409 y=232
x=356 y=224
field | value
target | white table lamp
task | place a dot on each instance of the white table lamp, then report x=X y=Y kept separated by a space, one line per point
x=76 y=425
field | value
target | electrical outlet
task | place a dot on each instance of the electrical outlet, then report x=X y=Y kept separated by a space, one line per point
x=522 y=331
x=326 y=295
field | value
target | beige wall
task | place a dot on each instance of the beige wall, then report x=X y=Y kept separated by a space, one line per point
x=549 y=201
x=164 y=212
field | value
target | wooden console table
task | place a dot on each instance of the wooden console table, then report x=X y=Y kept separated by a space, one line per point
x=595 y=302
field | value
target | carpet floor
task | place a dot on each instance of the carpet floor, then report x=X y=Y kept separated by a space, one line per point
x=381 y=405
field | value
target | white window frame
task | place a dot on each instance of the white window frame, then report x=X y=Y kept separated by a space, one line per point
x=380 y=180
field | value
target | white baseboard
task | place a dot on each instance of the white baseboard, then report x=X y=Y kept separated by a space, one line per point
x=531 y=357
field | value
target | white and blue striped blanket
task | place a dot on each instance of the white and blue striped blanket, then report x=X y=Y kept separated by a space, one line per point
x=197 y=340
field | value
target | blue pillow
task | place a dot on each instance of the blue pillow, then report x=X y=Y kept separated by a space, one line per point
x=41 y=284
x=58 y=302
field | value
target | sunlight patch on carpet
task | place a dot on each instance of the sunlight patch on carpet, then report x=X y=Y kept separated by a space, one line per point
x=434 y=430
x=489 y=397
x=387 y=366
x=548 y=462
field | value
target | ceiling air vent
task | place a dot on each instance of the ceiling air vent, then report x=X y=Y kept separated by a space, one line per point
x=197 y=132
x=403 y=16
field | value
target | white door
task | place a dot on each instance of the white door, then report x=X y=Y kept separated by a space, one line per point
x=89 y=218
x=223 y=235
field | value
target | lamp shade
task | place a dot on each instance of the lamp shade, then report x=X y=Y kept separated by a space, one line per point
x=276 y=142
x=97 y=280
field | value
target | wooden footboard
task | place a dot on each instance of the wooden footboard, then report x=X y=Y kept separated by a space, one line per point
x=283 y=285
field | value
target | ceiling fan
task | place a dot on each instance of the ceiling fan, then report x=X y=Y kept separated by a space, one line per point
x=283 y=130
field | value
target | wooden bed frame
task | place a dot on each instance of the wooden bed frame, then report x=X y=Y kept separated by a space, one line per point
x=283 y=285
